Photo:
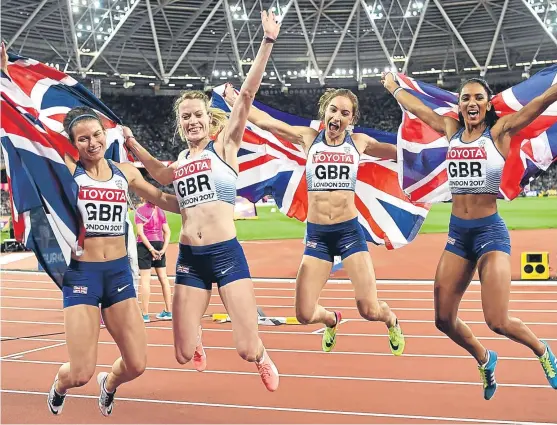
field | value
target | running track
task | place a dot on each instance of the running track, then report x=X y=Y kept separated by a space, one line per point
x=360 y=382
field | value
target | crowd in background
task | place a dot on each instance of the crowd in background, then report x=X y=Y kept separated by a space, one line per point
x=153 y=122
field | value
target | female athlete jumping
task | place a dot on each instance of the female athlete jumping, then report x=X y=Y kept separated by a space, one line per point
x=478 y=237
x=333 y=155
x=204 y=178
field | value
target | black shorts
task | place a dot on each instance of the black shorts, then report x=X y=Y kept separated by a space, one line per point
x=146 y=260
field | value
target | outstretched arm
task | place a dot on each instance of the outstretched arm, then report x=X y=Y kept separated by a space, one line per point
x=513 y=123
x=239 y=114
x=293 y=134
x=147 y=191
x=444 y=125
x=376 y=148
x=160 y=172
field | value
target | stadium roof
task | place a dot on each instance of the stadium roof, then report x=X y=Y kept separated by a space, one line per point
x=336 y=42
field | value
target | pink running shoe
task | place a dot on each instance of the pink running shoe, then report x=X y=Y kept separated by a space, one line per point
x=199 y=357
x=268 y=371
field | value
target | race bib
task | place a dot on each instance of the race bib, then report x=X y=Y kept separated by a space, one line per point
x=467 y=167
x=104 y=210
x=331 y=170
x=194 y=183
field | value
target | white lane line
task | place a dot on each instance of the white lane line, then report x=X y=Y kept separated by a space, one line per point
x=288 y=409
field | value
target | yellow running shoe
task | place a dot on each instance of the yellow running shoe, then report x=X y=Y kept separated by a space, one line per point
x=330 y=335
x=396 y=339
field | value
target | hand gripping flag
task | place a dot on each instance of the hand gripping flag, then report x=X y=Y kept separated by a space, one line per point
x=43 y=193
x=272 y=166
x=422 y=151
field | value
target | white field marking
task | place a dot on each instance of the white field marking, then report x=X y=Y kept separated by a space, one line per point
x=424 y=282
x=404 y=291
x=490 y=338
x=287 y=409
x=14 y=256
x=21 y=353
x=331 y=298
x=291 y=306
x=296 y=351
x=468 y=322
x=300 y=376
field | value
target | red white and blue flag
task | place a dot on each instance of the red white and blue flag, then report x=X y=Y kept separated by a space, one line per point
x=422 y=151
x=43 y=193
x=272 y=166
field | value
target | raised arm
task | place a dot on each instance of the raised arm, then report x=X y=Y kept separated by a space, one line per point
x=513 y=123
x=444 y=125
x=160 y=172
x=238 y=116
x=293 y=134
x=147 y=191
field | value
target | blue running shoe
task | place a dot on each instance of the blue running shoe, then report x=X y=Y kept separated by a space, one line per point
x=487 y=372
x=549 y=365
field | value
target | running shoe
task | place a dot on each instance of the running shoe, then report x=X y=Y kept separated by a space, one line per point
x=330 y=334
x=55 y=401
x=164 y=315
x=146 y=318
x=106 y=399
x=268 y=372
x=549 y=365
x=199 y=357
x=487 y=372
x=396 y=339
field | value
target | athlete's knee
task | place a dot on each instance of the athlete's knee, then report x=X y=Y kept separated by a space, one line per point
x=445 y=322
x=305 y=314
x=183 y=355
x=136 y=367
x=248 y=349
x=499 y=325
x=369 y=310
x=81 y=375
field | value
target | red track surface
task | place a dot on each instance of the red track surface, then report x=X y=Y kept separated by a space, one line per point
x=360 y=382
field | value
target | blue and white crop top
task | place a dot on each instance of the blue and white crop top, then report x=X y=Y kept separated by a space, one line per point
x=205 y=178
x=474 y=167
x=332 y=167
x=102 y=204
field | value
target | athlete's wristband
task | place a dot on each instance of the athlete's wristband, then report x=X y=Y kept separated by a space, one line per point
x=269 y=40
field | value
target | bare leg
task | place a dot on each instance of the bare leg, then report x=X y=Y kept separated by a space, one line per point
x=452 y=278
x=495 y=275
x=312 y=277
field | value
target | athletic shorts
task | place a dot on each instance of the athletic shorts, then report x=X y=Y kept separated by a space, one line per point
x=145 y=259
x=94 y=283
x=325 y=241
x=470 y=239
x=219 y=263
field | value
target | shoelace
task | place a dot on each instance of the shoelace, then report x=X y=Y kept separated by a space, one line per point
x=106 y=397
x=265 y=370
x=547 y=366
x=57 y=399
x=487 y=377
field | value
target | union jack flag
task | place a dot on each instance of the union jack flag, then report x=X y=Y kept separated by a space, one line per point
x=272 y=166
x=43 y=193
x=422 y=151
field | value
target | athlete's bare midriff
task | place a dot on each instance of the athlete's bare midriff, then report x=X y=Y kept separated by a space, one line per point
x=100 y=249
x=207 y=224
x=473 y=206
x=331 y=207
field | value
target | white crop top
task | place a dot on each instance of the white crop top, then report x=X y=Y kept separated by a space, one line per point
x=332 y=167
x=205 y=178
x=102 y=204
x=474 y=167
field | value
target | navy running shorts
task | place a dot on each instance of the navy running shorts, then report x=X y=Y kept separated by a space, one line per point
x=220 y=263
x=94 y=283
x=470 y=239
x=325 y=241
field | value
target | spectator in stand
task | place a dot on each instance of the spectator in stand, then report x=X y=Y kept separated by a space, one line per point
x=153 y=237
